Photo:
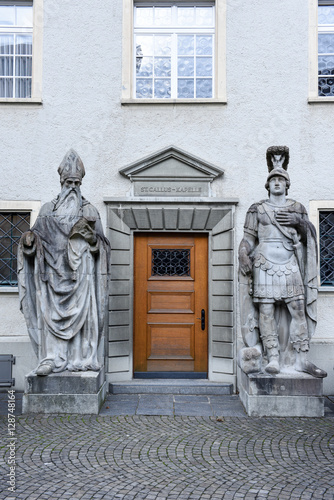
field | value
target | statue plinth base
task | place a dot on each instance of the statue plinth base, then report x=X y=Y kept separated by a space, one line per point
x=65 y=392
x=284 y=395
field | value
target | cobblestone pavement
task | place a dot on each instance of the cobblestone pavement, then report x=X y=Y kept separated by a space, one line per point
x=169 y=457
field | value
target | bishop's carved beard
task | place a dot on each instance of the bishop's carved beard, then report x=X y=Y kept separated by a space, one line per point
x=69 y=201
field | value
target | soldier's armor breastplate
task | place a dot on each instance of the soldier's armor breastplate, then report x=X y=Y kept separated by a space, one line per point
x=273 y=245
x=276 y=274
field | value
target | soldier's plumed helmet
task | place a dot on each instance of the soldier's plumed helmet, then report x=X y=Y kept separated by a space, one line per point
x=71 y=167
x=279 y=169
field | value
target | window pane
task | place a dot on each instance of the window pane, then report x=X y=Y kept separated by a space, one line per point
x=204 y=16
x=326 y=236
x=7 y=15
x=185 y=66
x=203 y=66
x=185 y=88
x=203 y=45
x=203 y=88
x=144 y=88
x=326 y=86
x=23 y=87
x=162 y=88
x=326 y=65
x=186 y=16
x=185 y=45
x=326 y=14
x=6 y=66
x=6 y=44
x=6 y=87
x=23 y=44
x=162 y=45
x=162 y=66
x=146 y=67
x=162 y=16
x=23 y=66
x=146 y=43
x=12 y=226
x=144 y=16
x=24 y=16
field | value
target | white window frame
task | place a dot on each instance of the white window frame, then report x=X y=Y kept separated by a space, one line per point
x=317 y=206
x=219 y=62
x=19 y=206
x=37 y=53
x=313 y=96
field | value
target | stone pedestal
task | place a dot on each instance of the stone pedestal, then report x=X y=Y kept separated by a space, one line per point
x=65 y=392
x=284 y=395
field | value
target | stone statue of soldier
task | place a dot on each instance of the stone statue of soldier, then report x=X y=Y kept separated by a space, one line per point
x=63 y=278
x=278 y=277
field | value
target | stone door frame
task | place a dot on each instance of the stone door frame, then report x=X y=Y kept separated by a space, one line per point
x=213 y=216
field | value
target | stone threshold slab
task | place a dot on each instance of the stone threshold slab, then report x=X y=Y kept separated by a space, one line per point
x=170 y=386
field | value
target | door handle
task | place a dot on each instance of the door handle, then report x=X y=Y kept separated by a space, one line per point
x=203 y=319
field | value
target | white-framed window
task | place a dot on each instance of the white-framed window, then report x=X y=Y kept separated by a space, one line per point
x=326 y=49
x=16 y=217
x=174 y=51
x=321 y=50
x=322 y=216
x=20 y=50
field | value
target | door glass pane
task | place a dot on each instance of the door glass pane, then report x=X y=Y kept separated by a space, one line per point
x=170 y=262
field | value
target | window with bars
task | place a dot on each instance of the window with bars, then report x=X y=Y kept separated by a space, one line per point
x=326 y=240
x=174 y=50
x=12 y=226
x=16 y=29
x=326 y=48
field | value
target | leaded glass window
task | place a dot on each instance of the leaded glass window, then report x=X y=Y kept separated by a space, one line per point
x=16 y=26
x=12 y=226
x=326 y=48
x=326 y=234
x=170 y=262
x=174 y=50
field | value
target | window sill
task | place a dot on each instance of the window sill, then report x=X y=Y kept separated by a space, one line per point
x=326 y=289
x=9 y=289
x=173 y=101
x=317 y=100
x=10 y=100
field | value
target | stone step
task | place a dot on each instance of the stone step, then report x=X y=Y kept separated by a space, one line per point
x=171 y=386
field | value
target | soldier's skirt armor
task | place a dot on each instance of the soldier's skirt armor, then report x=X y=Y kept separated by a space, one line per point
x=276 y=281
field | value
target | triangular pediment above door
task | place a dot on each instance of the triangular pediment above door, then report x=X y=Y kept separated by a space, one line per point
x=171 y=164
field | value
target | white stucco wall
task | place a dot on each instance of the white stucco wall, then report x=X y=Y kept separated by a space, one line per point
x=267 y=89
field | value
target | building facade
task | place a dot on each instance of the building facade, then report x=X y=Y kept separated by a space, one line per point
x=171 y=105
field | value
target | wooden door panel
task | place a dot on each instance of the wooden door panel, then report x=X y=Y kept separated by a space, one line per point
x=170 y=341
x=170 y=292
x=171 y=302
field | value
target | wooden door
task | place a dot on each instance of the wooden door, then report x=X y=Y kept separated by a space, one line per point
x=170 y=303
